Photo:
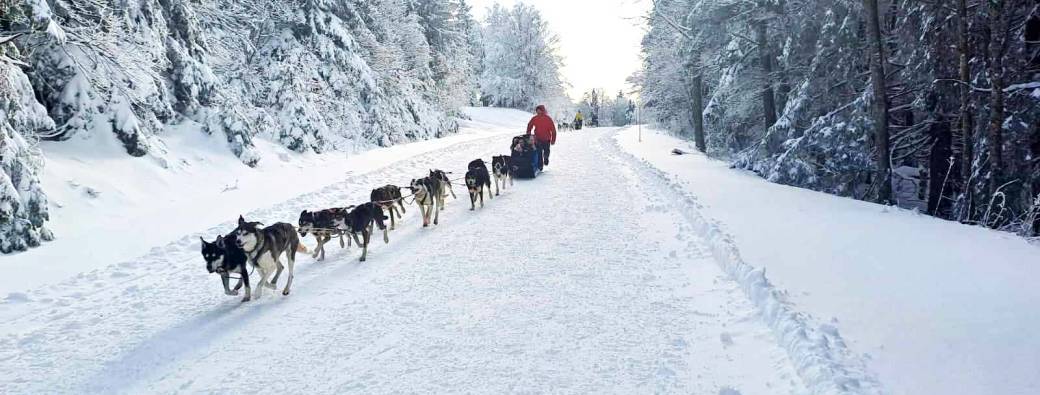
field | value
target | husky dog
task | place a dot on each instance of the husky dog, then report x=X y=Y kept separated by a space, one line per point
x=324 y=224
x=224 y=256
x=385 y=198
x=360 y=220
x=427 y=196
x=445 y=184
x=476 y=179
x=264 y=247
x=500 y=169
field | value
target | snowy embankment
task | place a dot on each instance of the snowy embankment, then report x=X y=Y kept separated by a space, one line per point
x=108 y=207
x=942 y=309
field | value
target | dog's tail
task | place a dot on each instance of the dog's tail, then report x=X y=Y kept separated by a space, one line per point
x=302 y=248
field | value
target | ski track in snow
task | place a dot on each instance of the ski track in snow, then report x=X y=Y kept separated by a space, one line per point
x=818 y=351
x=583 y=280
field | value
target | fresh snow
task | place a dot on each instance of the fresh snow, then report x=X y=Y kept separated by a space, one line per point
x=929 y=306
x=107 y=207
x=623 y=268
x=583 y=280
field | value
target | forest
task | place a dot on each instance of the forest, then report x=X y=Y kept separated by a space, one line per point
x=312 y=75
x=927 y=104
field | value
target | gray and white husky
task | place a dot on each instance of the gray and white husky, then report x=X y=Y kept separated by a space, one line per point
x=265 y=246
x=429 y=195
x=445 y=182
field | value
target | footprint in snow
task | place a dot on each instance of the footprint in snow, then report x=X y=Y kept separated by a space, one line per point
x=16 y=297
x=726 y=339
x=728 y=391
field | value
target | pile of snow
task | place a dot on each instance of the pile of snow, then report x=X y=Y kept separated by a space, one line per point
x=107 y=207
x=933 y=307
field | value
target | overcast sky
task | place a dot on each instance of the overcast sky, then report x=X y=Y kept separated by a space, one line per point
x=599 y=39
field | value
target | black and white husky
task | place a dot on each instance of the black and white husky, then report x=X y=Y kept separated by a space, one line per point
x=385 y=198
x=428 y=196
x=477 y=178
x=360 y=221
x=323 y=225
x=223 y=256
x=265 y=246
x=500 y=169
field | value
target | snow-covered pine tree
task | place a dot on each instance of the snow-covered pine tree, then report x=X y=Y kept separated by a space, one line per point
x=313 y=75
x=963 y=116
x=622 y=111
x=521 y=60
x=23 y=203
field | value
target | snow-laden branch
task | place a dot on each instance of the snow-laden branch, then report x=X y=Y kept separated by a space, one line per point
x=4 y=39
x=685 y=31
x=1008 y=89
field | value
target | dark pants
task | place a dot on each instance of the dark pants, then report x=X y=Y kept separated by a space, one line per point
x=543 y=148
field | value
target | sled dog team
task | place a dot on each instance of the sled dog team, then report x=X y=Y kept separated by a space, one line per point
x=263 y=247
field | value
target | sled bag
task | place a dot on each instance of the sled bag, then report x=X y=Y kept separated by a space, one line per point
x=525 y=158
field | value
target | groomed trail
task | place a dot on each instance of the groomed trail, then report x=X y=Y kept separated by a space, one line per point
x=584 y=280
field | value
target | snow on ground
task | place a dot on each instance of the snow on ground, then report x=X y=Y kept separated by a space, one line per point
x=108 y=207
x=584 y=280
x=941 y=309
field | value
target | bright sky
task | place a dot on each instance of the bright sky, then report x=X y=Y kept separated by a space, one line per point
x=599 y=39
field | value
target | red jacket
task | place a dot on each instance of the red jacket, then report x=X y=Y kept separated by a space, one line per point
x=544 y=128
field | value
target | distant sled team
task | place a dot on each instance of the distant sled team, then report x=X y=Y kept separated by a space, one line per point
x=265 y=248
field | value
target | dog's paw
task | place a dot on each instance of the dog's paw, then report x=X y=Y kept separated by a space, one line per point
x=231 y=293
x=285 y=292
x=270 y=285
x=245 y=299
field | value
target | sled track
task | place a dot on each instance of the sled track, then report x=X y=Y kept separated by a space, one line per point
x=823 y=361
x=166 y=299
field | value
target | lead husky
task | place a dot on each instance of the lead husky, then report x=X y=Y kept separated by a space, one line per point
x=224 y=256
x=264 y=247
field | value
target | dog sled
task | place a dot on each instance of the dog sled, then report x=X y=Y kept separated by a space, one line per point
x=525 y=158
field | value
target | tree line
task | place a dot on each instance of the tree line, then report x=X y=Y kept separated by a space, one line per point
x=311 y=75
x=929 y=104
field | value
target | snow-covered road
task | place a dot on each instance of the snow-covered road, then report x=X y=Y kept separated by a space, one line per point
x=583 y=280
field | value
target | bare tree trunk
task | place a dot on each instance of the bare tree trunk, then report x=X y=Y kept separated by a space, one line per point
x=942 y=171
x=766 y=59
x=939 y=167
x=998 y=44
x=698 y=112
x=880 y=102
x=1035 y=149
x=967 y=124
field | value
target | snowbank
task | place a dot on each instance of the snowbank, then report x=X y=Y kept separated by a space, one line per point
x=107 y=207
x=818 y=352
x=933 y=306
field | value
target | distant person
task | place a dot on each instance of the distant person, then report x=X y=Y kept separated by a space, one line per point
x=578 y=121
x=544 y=129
